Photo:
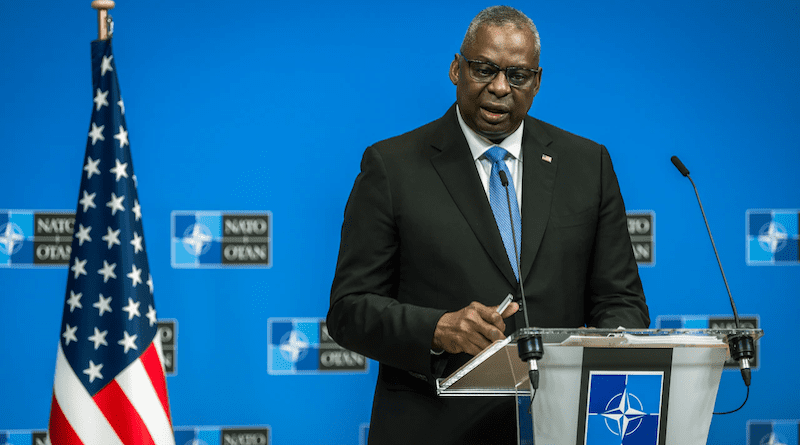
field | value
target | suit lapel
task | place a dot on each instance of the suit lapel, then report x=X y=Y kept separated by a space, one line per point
x=539 y=165
x=456 y=168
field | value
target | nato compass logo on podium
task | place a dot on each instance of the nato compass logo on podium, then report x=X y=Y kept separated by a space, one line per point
x=212 y=239
x=772 y=237
x=624 y=408
x=775 y=432
x=303 y=346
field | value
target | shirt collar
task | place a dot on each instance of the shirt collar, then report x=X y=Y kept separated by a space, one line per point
x=479 y=144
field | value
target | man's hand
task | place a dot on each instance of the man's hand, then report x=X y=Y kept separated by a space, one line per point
x=471 y=329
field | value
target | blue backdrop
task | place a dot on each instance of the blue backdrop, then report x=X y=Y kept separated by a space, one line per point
x=269 y=107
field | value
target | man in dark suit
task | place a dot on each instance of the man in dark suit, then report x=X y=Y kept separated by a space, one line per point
x=423 y=262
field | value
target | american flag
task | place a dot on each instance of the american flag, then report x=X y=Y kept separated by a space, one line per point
x=110 y=386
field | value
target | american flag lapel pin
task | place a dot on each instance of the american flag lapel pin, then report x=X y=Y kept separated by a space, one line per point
x=546 y=158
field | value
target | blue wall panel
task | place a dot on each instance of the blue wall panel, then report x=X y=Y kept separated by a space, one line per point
x=270 y=107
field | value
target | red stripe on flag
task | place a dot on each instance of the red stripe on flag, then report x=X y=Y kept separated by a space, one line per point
x=61 y=432
x=154 y=369
x=122 y=416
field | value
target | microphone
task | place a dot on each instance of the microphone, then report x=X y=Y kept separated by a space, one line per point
x=531 y=347
x=681 y=168
x=741 y=345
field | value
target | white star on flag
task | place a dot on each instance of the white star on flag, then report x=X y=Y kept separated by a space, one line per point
x=132 y=309
x=129 y=342
x=93 y=371
x=99 y=338
x=87 y=201
x=112 y=237
x=136 y=242
x=69 y=334
x=151 y=314
x=115 y=203
x=100 y=99
x=79 y=268
x=107 y=271
x=122 y=137
x=106 y=65
x=120 y=170
x=74 y=301
x=103 y=305
x=83 y=234
x=137 y=210
x=135 y=275
x=96 y=134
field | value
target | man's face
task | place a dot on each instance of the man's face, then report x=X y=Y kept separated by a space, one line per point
x=495 y=109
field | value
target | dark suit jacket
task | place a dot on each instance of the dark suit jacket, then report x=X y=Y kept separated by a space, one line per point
x=419 y=239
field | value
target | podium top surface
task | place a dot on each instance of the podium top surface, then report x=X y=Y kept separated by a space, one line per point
x=497 y=369
x=644 y=335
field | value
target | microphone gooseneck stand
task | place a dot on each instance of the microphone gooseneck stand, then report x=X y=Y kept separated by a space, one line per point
x=741 y=345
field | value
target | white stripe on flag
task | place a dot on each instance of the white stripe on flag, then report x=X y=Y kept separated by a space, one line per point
x=78 y=406
x=159 y=350
x=136 y=385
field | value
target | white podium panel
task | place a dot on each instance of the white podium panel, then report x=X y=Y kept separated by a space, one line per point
x=661 y=384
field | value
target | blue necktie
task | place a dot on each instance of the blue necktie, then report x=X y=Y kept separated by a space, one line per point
x=499 y=203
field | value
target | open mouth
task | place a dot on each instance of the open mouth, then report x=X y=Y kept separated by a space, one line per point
x=494 y=113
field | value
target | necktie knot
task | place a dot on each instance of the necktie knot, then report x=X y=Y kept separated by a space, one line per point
x=496 y=154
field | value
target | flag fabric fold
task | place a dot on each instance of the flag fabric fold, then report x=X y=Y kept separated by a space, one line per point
x=110 y=385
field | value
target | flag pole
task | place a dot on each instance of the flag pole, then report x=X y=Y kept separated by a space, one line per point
x=103 y=19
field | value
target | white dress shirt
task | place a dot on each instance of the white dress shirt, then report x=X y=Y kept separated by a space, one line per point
x=478 y=146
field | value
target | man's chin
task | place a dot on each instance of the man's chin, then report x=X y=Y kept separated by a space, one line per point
x=494 y=133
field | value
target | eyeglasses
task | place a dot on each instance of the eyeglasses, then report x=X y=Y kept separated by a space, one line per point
x=485 y=72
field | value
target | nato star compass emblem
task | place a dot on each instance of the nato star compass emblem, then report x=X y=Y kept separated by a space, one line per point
x=623 y=408
x=197 y=239
x=11 y=238
x=772 y=237
x=624 y=414
x=294 y=346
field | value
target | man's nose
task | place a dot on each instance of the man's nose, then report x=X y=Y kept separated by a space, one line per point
x=499 y=86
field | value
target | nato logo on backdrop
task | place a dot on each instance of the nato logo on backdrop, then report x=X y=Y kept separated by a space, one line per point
x=624 y=408
x=23 y=437
x=642 y=230
x=773 y=432
x=168 y=333
x=216 y=239
x=303 y=346
x=250 y=435
x=772 y=237
x=35 y=238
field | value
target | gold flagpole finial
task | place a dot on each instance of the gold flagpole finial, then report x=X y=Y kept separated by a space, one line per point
x=104 y=26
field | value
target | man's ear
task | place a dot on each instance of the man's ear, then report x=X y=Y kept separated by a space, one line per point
x=454 y=70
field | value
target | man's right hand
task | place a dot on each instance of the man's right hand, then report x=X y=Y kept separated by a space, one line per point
x=471 y=329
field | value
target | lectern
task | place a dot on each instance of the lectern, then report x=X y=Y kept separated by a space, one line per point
x=599 y=387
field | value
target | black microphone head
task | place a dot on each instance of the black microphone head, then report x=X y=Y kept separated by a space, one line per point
x=504 y=178
x=679 y=165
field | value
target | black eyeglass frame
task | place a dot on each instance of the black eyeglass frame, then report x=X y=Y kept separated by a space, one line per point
x=497 y=69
